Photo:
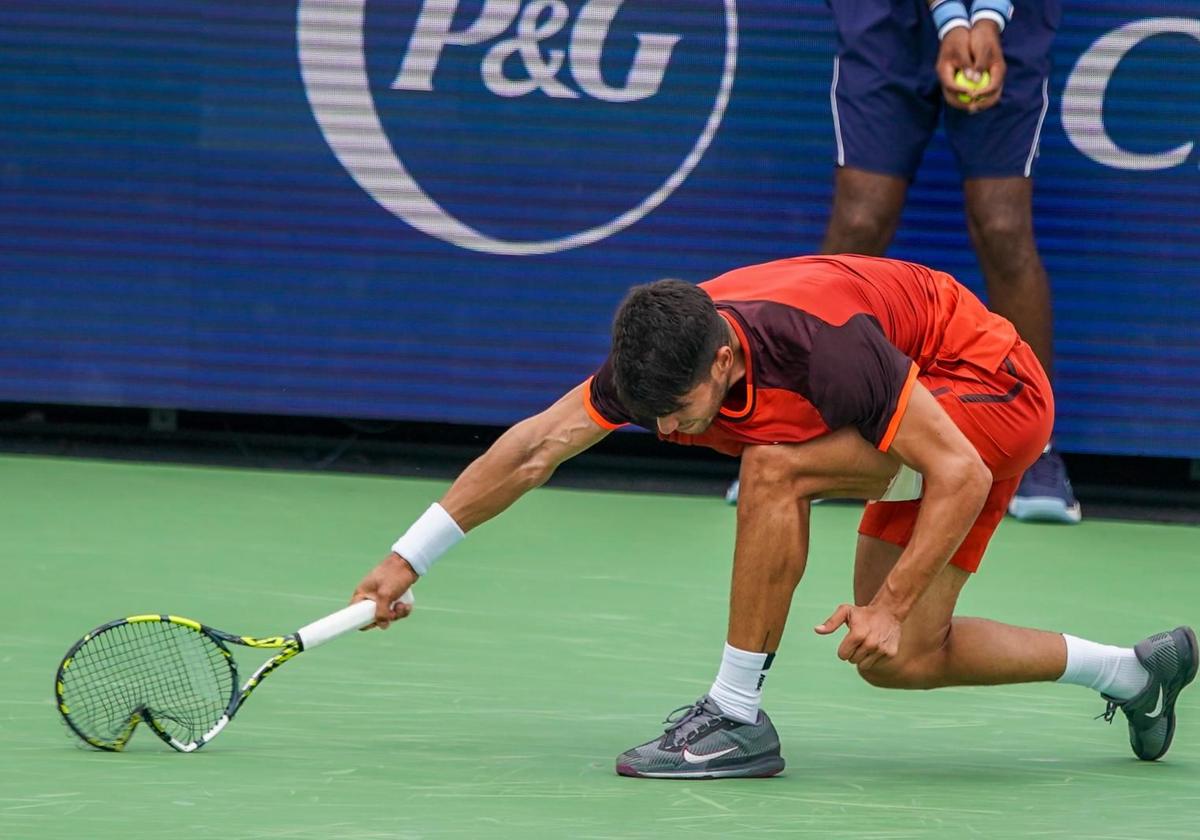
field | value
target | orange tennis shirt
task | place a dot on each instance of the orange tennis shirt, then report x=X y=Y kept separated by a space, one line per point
x=829 y=342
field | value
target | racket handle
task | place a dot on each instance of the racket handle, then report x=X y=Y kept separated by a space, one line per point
x=353 y=617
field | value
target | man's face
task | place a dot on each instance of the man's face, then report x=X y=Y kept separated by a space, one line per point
x=700 y=405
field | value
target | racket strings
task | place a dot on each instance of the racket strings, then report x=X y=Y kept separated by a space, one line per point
x=179 y=676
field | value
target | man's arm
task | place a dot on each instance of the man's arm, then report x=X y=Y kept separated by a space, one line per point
x=957 y=483
x=523 y=458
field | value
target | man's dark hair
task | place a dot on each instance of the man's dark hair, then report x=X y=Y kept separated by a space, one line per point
x=664 y=338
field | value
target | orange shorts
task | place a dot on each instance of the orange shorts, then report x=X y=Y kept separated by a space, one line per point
x=1007 y=415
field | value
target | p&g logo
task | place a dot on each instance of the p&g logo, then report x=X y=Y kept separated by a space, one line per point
x=432 y=34
x=509 y=116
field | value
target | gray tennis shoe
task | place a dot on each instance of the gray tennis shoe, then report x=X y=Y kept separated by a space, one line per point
x=702 y=743
x=1171 y=658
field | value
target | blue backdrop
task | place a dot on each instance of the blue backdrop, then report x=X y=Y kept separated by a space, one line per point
x=428 y=210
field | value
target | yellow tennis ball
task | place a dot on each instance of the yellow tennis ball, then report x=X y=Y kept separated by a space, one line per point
x=960 y=78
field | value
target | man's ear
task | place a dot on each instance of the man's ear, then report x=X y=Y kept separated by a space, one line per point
x=723 y=361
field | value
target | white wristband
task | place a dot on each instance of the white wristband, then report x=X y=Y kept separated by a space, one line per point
x=428 y=539
x=989 y=14
x=952 y=24
x=948 y=15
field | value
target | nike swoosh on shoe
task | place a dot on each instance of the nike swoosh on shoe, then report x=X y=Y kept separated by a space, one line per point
x=1158 y=706
x=691 y=758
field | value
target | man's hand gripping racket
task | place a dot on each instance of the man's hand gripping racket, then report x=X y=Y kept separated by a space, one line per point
x=177 y=675
x=386 y=584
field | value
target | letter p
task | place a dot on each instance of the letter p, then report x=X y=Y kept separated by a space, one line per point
x=432 y=33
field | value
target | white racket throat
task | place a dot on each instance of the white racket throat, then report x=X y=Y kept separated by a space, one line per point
x=353 y=617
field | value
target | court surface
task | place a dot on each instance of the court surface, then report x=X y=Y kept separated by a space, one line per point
x=549 y=641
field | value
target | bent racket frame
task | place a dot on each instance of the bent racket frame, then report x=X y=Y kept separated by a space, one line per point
x=353 y=617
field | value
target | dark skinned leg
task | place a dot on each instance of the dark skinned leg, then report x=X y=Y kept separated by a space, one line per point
x=1000 y=222
x=866 y=210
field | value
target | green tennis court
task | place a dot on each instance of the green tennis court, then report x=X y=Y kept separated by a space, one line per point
x=548 y=642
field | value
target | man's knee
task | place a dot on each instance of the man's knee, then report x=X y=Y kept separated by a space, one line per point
x=902 y=675
x=841 y=464
x=763 y=467
x=781 y=473
x=925 y=669
x=860 y=227
x=1001 y=230
x=866 y=210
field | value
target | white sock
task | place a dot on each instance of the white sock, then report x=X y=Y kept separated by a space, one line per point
x=1110 y=670
x=738 y=687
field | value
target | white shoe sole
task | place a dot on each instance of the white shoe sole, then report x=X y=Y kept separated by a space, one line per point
x=1044 y=509
x=761 y=769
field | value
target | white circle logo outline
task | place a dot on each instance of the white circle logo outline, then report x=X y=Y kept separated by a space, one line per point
x=329 y=36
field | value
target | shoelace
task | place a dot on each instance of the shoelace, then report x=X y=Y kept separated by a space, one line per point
x=1109 y=712
x=691 y=715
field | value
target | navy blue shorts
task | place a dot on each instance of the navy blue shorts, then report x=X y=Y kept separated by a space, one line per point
x=886 y=97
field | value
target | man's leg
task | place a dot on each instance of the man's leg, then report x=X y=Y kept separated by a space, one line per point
x=885 y=101
x=1000 y=221
x=940 y=649
x=772 y=523
x=866 y=210
x=997 y=150
x=725 y=734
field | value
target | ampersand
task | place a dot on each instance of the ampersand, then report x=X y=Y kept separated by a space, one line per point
x=542 y=71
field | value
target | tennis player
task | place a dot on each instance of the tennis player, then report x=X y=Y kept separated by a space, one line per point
x=828 y=375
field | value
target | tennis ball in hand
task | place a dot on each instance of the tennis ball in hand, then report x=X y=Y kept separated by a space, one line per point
x=960 y=79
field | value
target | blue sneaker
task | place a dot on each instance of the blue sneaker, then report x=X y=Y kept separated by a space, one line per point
x=1045 y=493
